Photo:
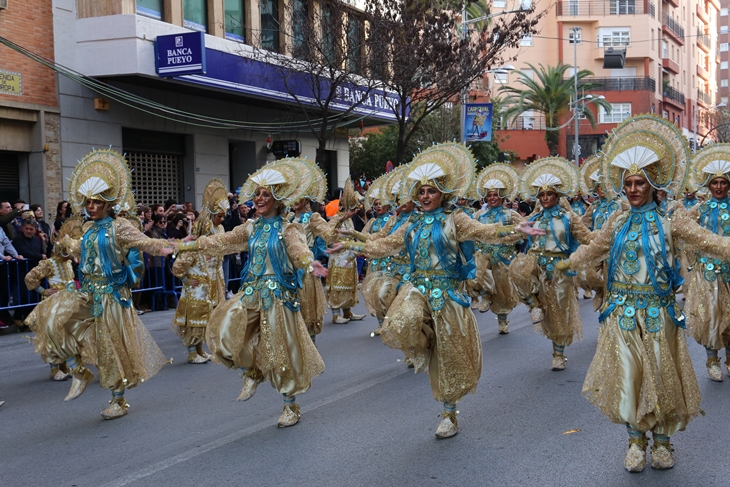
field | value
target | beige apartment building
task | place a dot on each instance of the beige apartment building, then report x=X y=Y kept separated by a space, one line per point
x=672 y=61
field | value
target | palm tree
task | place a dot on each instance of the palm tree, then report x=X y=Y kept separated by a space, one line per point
x=550 y=93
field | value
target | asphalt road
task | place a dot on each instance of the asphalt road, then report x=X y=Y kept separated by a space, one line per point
x=367 y=421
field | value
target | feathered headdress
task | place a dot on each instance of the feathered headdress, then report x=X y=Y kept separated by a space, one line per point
x=498 y=177
x=101 y=175
x=552 y=173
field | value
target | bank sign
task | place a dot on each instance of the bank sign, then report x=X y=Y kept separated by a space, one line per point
x=180 y=54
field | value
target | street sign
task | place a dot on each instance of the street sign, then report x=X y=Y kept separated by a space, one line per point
x=179 y=54
x=478 y=122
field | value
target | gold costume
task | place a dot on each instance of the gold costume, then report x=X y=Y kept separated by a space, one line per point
x=99 y=323
x=430 y=319
x=260 y=329
x=197 y=301
x=311 y=296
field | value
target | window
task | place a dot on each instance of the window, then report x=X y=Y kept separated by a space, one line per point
x=354 y=43
x=723 y=29
x=502 y=3
x=574 y=8
x=614 y=36
x=329 y=35
x=723 y=100
x=501 y=78
x=651 y=36
x=723 y=83
x=575 y=37
x=619 y=113
x=723 y=65
x=528 y=73
x=195 y=14
x=300 y=24
x=665 y=50
x=622 y=7
x=526 y=40
x=723 y=46
x=723 y=12
x=525 y=4
x=235 y=20
x=269 y=10
x=665 y=114
x=151 y=8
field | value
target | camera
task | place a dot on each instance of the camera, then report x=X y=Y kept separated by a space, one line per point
x=179 y=207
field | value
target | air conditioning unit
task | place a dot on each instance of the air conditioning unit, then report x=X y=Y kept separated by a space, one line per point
x=3 y=4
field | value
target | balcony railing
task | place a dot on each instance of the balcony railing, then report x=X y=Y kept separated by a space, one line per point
x=523 y=122
x=673 y=94
x=633 y=83
x=652 y=9
x=673 y=26
x=600 y=8
x=703 y=97
x=703 y=38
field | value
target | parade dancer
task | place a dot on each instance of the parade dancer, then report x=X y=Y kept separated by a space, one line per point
x=385 y=274
x=342 y=281
x=312 y=300
x=551 y=297
x=642 y=374
x=492 y=284
x=201 y=275
x=260 y=330
x=431 y=319
x=102 y=326
x=58 y=271
x=708 y=288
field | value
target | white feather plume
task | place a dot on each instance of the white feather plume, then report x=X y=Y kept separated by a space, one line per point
x=426 y=172
x=375 y=193
x=224 y=205
x=396 y=188
x=639 y=155
x=594 y=176
x=268 y=177
x=494 y=184
x=547 y=180
x=93 y=186
x=717 y=166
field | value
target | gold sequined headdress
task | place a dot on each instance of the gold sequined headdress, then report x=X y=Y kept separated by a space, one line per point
x=288 y=180
x=215 y=202
x=393 y=184
x=350 y=198
x=647 y=146
x=709 y=163
x=498 y=177
x=376 y=191
x=318 y=189
x=448 y=167
x=553 y=174
x=589 y=175
x=74 y=228
x=101 y=175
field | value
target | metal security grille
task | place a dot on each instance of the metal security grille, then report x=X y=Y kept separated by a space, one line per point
x=155 y=177
x=9 y=176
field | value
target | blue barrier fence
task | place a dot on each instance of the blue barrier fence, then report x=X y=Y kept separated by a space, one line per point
x=157 y=280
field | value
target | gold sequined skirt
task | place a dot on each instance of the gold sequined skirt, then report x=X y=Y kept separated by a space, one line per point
x=446 y=342
x=276 y=342
x=643 y=379
x=379 y=291
x=342 y=281
x=707 y=308
x=56 y=308
x=312 y=302
x=558 y=300
x=117 y=341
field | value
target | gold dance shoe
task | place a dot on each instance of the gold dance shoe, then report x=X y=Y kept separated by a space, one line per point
x=503 y=327
x=448 y=427
x=537 y=315
x=636 y=454
x=117 y=408
x=290 y=415
x=484 y=305
x=661 y=455
x=248 y=389
x=713 y=369
x=354 y=317
x=79 y=381
x=558 y=362
x=340 y=320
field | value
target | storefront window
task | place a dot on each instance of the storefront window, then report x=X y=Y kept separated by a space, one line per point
x=235 y=20
x=195 y=14
x=150 y=8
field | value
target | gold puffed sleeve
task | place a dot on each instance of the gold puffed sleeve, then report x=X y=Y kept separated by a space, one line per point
x=696 y=238
x=43 y=270
x=694 y=212
x=183 y=262
x=579 y=230
x=222 y=244
x=326 y=230
x=129 y=237
x=296 y=246
x=468 y=229
x=381 y=247
x=587 y=218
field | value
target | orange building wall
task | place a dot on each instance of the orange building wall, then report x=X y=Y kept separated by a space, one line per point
x=29 y=23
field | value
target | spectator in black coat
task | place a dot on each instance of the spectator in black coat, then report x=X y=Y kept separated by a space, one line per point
x=28 y=244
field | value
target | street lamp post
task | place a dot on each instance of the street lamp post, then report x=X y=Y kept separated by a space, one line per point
x=576 y=145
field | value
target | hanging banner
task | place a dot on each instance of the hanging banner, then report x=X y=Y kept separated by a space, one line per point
x=478 y=122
